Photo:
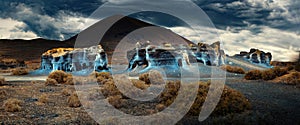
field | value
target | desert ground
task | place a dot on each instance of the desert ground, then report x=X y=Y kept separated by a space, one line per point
x=272 y=103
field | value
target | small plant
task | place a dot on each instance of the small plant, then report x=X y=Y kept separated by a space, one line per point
x=66 y=92
x=160 y=107
x=253 y=75
x=140 y=84
x=233 y=69
x=61 y=77
x=152 y=77
x=73 y=101
x=268 y=75
x=2 y=81
x=12 y=105
x=290 y=79
x=43 y=98
x=116 y=101
x=232 y=101
x=19 y=71
x=51 y=82
x=3 y=93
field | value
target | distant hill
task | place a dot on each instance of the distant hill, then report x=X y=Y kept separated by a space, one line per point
x=28 y=50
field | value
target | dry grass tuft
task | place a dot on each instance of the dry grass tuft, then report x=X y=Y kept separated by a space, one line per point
x=232 y=101
x=110 y=89
x=44 y=98
x=20 y=71
x=292 y=78
x=61 y=77
x=12 y=105
x=116 y=101
x=233 y=69
x=73 y=101
x=51 y=82
x=253 y=75
x=152 y=77
x=269 y=74
x=66 y=92
x=160 y=107
x=140 y=84
x=2 y=81
x=3 y=94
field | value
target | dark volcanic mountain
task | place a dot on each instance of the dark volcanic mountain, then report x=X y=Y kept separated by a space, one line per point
x=32 y=49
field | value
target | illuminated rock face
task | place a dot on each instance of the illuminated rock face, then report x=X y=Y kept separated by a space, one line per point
x=146 y=55
x=256 y=56
x=69 y=59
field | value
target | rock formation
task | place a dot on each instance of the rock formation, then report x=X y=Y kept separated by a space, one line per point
x=144 y=55
x=69 y=59
x=256 y=56
x=147 y=55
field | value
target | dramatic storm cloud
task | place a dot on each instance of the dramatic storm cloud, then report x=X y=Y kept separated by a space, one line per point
x=271 y=25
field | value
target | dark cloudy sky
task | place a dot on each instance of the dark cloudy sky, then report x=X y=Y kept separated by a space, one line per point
x=271 y=25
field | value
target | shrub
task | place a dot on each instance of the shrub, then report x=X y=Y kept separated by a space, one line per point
x=12 y=105
x=73 y=101
x=116 y=101
x=231 y=101
x=2 y=80
x=66 y=92
x=101 y=77
x=253 y=75
x=51 y=82
x=273 y=73
x=43 y=98
x=279 y=71
x=160 y=107
x=233 y=69
x=152 y=77
x=105 y=75
x=110 y=89
x=62 y=77
x=290 y=79
x=268 y=75
x=140 y=84
x=3 y=94
x=69 y=80
x=19 y=71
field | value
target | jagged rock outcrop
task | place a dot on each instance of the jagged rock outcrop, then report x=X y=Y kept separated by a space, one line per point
x=256 y=56
x=147 y=55
x=70 y=59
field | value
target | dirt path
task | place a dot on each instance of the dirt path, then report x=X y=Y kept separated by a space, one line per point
x=26 y=78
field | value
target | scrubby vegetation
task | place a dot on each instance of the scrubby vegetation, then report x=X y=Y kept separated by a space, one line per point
x=61 y=77
x=3 y=94
x=66 y=92
x=153 y=77
x=231 y=101
x=12 y=105
x=20 y=71
x=292 y=78
x=233 y=69
x=43 y=98
x=73 y=101
x=253 y=75
x=269 y=74
x=51 y=82
x=2 y=81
